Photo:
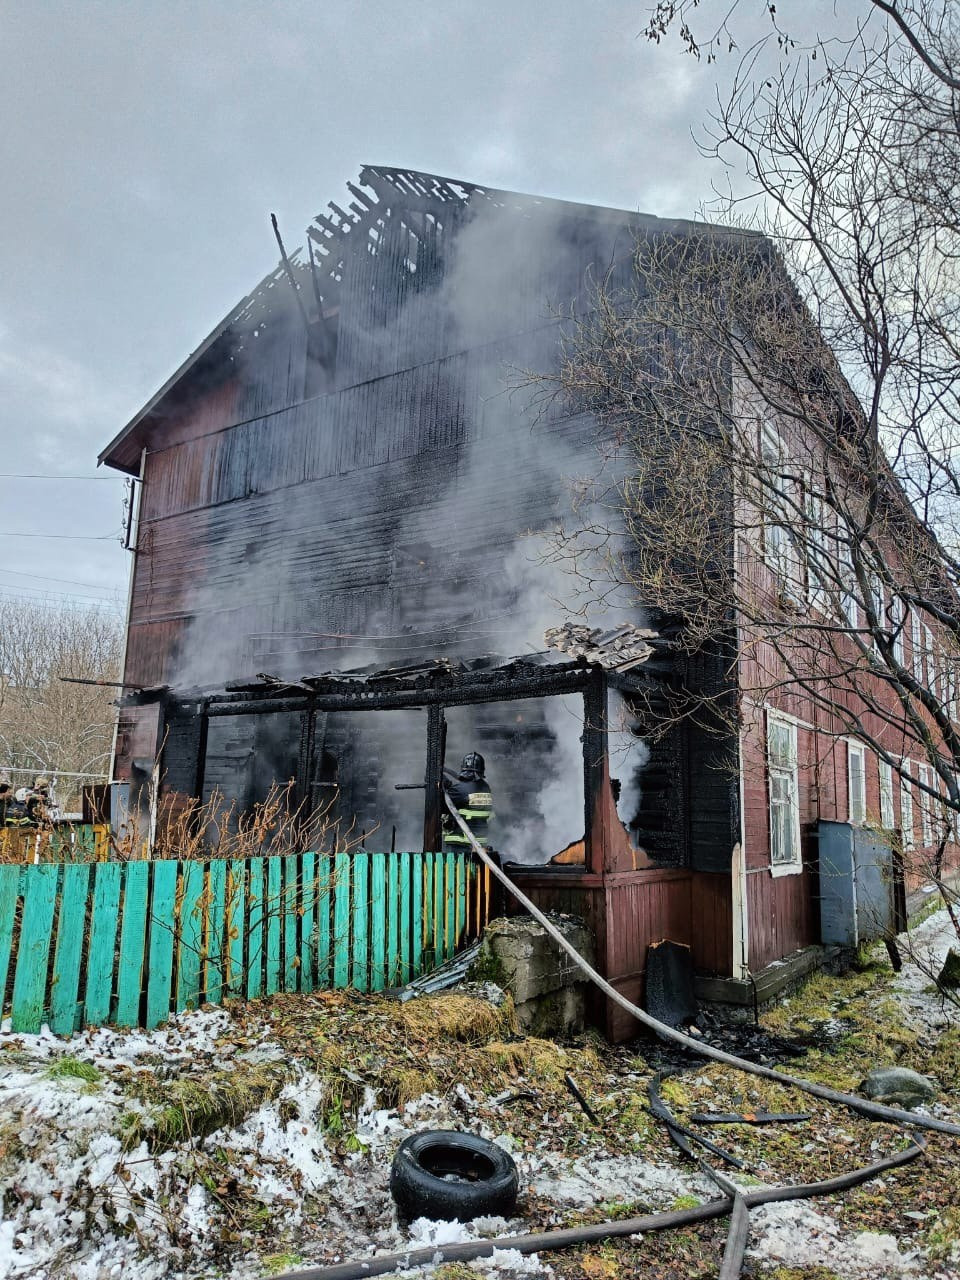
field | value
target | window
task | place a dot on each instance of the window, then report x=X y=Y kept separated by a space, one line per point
x=818 y=557
x=856 y=785
x=877 y=605
x=848 y=601
x=898 y=615
x=916 y=651
x=906 y=805
x=779 y=514
x=929 y=660
x=926 y=804
x=784 y=793
x=886 y=795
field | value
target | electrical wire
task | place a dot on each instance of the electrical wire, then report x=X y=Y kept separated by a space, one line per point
x=39 y=577
x=36 y=475
x=69 y=537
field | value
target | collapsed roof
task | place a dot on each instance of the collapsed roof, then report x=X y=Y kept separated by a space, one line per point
x=332 y=238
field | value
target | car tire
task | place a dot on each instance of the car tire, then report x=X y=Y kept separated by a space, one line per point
x=452 y=1176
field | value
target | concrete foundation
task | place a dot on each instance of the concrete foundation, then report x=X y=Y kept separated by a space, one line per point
x=547 y=987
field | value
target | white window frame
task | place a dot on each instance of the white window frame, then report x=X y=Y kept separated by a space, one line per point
x=783 y=795
x=818 y=553
x=898 y=618
x=856 y=801
x=878 y=601
x=887 y=817
x=916 y=647
x=907 y=833
x=930 y=661
x=848 y=579
x=780 y=550
x=924 y=773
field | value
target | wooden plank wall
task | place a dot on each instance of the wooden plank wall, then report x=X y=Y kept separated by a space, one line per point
x=131 y=943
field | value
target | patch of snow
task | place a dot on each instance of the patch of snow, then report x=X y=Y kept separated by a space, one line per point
x=794 y=1232
x=425 y=1232
x=924 y=951
x=511 y=1262
x=597 y=1179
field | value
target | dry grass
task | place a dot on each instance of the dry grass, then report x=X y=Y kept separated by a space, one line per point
x=455 y=1017
x=187 y=829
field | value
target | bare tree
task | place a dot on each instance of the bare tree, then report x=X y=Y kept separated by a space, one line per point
x=786 y=393
x=47 y=725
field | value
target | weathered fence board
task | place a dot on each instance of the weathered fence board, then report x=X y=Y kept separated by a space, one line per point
x=162 y=928
x=131 y=943
x=9 y=892
x=133 y=930
x=64 y=1013
x=36 y=924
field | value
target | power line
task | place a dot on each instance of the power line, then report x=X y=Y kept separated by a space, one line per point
x=69 y=537
x=52 y=597
x=39 y=475
x=39 y=577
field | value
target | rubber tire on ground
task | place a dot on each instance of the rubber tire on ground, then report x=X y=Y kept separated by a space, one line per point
x=453 y=1176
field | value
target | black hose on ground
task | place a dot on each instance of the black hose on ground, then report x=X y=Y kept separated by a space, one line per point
x=545 y=1241
x=874 y=1110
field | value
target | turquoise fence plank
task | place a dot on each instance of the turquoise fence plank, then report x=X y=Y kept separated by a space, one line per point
x=189 y=952
x=360 y=972
x=255 y=930
x=439 y=863
x=449 y=904
x=459 y=898
x=403 y=878
x=324 y=896
x=71 y=927
x=236 y=926
x=215 y=936
x=423 y=914
x=292 y=898
x=378 y=921
x=133 y=934
x=163 y=901
x=341 y=920
x=9 y=892
x=101 y=950
x=393 y=919
x=39 y=888
x=308 y=906
x=274 y=912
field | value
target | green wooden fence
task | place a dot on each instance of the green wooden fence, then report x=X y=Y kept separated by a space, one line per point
x=130 y=943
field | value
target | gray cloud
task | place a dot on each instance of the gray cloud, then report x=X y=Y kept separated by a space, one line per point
x=144 y=146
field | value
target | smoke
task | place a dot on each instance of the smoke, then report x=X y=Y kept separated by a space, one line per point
x=482 y=558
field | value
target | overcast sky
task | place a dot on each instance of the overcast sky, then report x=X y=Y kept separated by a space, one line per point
x=145 y=143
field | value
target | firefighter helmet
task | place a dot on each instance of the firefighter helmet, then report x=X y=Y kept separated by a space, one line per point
x=473 y=764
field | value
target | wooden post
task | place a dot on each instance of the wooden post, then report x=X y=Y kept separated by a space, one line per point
x=433 y=780
x=595 y=767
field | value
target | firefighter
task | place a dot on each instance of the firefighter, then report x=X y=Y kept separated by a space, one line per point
x=6 y=799
x=470 y=793
x=38 y=802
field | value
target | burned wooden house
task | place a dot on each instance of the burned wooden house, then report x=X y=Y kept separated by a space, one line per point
x=343 y=576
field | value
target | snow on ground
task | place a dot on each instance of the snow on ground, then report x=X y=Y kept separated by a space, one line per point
x=797 y=1234
x=79 y=1206
x=82 y=1207
x=924 y=951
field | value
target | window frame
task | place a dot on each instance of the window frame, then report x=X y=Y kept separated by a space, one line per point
x=924 y=773
x=888 y=817
x=907 y=827
x=856 y=818
x=786 y=776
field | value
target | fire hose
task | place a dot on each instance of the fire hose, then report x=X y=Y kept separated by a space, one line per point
x=874 y=1110
x=566 y=1238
